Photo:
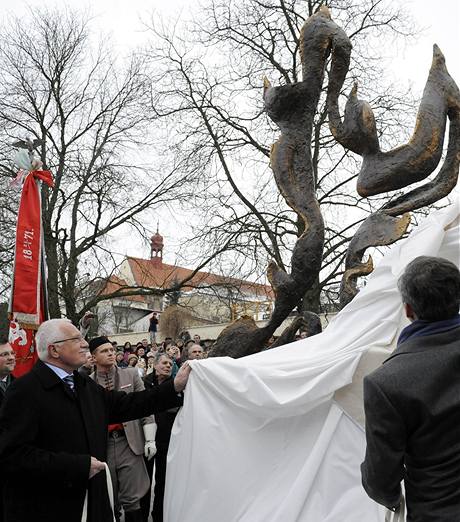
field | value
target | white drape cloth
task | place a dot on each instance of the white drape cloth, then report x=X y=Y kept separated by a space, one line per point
x=265 y=438
x=108 y=479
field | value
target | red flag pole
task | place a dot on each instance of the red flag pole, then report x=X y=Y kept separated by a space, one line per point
x=28 y=303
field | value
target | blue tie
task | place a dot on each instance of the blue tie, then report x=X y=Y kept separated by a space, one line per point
x=68 y=379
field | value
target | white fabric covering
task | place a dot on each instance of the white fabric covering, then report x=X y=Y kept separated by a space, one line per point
x=264 y=438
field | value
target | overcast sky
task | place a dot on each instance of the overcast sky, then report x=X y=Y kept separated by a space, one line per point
x=439 y=21
x=407 y=63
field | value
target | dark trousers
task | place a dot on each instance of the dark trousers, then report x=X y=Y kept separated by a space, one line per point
x=160 y=479
x=2 y=517
x=159 y=489
x=145 y=500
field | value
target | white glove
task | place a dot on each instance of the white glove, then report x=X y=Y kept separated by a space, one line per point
x=150 y=447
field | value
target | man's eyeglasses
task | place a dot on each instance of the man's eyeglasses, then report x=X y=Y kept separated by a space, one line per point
x=79 y=338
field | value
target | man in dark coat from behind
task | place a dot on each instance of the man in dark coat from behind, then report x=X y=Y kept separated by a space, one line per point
x=53 y=431
x=412 y=402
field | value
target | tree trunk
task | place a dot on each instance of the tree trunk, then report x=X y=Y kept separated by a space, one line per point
x=53 y=270
x=70 y=285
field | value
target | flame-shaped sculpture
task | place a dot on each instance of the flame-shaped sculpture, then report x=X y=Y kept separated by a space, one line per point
x=292 y=107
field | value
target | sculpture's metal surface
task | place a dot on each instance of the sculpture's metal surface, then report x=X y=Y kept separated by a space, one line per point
x=292 y=107
x=398 y=168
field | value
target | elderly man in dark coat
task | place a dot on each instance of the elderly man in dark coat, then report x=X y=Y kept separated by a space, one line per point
x=53 y=431
x=412 y=402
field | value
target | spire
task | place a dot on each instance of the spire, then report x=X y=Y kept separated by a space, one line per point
x=156 y=247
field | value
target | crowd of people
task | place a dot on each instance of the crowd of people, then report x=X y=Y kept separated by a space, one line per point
x=61 y=427
x=145 y=364
x=142 y=354
x=78 y=411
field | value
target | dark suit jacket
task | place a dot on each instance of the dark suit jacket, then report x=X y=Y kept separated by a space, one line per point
x=2 y=394
x=412 y=405
x=164 y=419
x=2 y=397
x=47 y=436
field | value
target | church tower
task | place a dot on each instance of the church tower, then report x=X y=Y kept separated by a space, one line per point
x=156 y=248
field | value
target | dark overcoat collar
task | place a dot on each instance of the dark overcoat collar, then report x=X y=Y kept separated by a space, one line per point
x=50 y=379
x=428 y=342
x=91 y=417
x=46 y=376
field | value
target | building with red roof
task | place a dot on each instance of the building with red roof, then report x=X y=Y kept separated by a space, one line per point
x=209 y=298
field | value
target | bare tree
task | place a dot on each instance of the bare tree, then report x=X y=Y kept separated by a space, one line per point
x=211 y=96
x=174 y=319
x=8 y=209
x=92 y=113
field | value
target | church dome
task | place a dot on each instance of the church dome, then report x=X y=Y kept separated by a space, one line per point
x=156 y=241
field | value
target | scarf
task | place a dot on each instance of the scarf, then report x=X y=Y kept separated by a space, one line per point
x=421 y=328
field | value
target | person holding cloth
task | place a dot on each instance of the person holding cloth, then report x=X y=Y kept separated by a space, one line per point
x=54 y=423
x=412 y=402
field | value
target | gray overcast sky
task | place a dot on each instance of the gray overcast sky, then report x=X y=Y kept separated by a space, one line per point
x=440 y=23
x=406 y=63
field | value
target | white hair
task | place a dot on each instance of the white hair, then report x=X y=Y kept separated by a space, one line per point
x=48 y=332
x=190 y=348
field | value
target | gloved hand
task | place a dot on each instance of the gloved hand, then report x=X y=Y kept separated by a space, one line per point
x=150 y=447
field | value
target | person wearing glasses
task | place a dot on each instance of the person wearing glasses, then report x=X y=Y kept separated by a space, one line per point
x=53 y=431
x=7 y=364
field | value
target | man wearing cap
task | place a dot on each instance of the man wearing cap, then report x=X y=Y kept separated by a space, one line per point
x=53 y=435
x=127 y=441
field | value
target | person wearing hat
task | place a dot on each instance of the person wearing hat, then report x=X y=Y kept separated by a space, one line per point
x=54 y=423
x=132 y=360
x=127 y=441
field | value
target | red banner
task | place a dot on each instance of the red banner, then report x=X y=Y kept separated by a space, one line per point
x=28 y=296
x=22 y=341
